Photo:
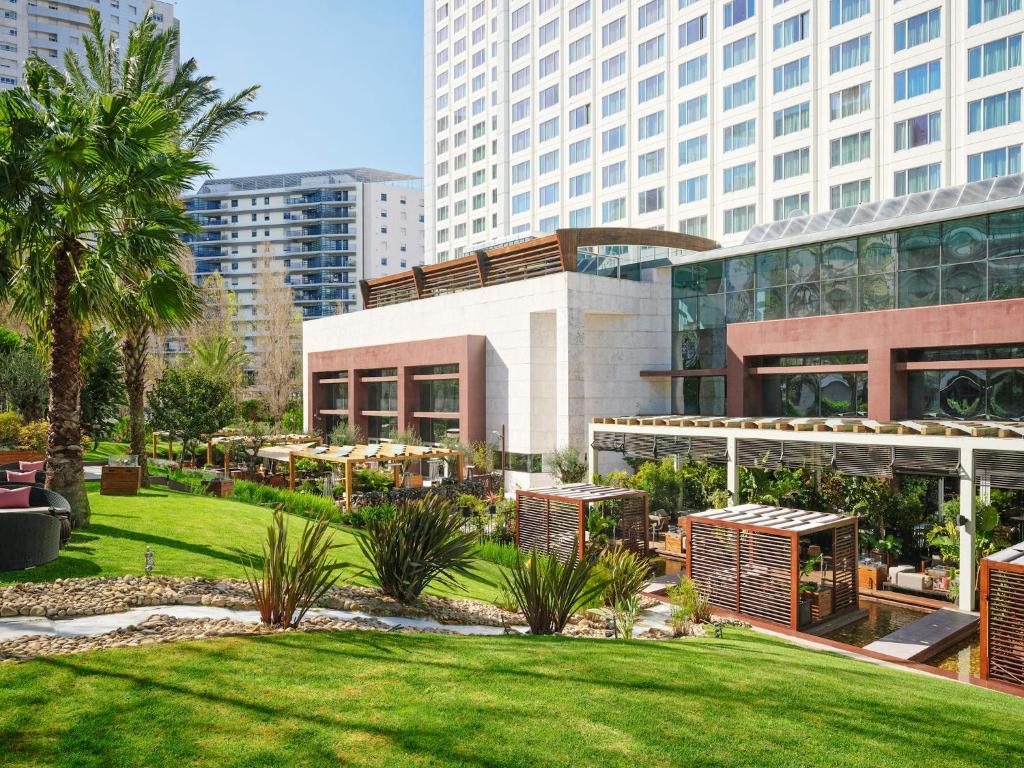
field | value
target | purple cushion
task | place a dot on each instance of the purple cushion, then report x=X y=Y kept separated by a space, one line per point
x=32 y=466
x=20 y=477
x=14 y=498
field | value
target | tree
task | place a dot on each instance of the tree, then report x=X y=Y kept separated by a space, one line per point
x=190 y=405
x=23 y=379
x=213 y=341
x=90 y=173
x=278 y=336
x=566 y=465
x=102 y=382
x=254 y=436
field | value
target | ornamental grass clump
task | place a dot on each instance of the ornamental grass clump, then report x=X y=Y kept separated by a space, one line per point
x=290 y=582
x=549 y=591
x=624 y=573
x=421 y=543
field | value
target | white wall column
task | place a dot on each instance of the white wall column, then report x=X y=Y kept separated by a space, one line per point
x=593 y=456
x=570 y=380
x=732 y=473
x=968 y=565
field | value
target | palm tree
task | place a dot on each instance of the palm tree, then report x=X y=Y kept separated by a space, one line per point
x=220 y=357
x=167 y=299
x=90 y=173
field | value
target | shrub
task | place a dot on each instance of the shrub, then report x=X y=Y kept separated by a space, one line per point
x=10 y=428
x=624 y=574
x=292 y=502
x=690 y=606
x=347 y=434
x=358 y=517
x=420 y=544
x=548 y=591
x=292 y=582
x=34 y=435
x=566 y=465
x=371 y=480
x=496 y=552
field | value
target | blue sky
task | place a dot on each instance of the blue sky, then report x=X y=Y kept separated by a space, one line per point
x=342 y=80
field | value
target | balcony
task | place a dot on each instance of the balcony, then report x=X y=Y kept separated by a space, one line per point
x=322 y=294
x=203 y=251
x=202 y=237
x=207 y=268
x=197 y=204
x=318 y=197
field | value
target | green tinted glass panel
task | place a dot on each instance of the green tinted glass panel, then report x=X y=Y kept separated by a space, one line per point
x=803 y=300
x=838 y=296
x=838 y=393
x=770 y=304
x=877 y=253
x=839 y=260
x=964 y=282
x=877 y=292
x=740 y=307
x=802 y=264
x=964 y=240
x=771 y=269
x=919 y=287
x=1006 y=278
x=920 y=246
x=739 y=274
x=1006 y=234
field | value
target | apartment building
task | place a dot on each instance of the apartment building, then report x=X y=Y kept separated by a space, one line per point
x=330 y=229
x=47 y=28
x=703 y=117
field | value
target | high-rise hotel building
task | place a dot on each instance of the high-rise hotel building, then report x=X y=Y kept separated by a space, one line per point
x=706 y=117
x=328 y=230
x=47 y=28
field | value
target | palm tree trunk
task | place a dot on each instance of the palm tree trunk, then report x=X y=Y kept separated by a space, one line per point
x=64 y=472
x=134 y=349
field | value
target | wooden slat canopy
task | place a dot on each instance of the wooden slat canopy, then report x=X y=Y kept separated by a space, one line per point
x=1002 y=616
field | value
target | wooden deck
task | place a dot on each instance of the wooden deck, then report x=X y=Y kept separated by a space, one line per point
x=928 y=636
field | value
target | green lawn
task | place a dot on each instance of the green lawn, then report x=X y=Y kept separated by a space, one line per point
x=379 y=699
x=105 y=449
x=190 y=536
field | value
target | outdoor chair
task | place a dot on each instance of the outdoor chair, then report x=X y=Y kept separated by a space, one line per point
x=42 y=501
x=27 y=539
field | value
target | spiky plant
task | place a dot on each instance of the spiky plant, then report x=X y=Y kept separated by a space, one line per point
x=624 y=572
x=290 y=582
x=420 y=544
x=549 y=591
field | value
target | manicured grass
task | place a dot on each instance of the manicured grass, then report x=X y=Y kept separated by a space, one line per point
x=106 y=448
x=190 y=536
x=377 y=699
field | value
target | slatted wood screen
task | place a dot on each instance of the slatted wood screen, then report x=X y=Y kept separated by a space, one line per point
x=1004 y=469
x=765 y=574
x=1002 y=619
x=563 y=528
x=712 y=554
x=532 y=524
x=633 y=524
x=609 y=441
x=844 y=568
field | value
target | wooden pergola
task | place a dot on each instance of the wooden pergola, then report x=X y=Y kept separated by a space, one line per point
x=1002 y=616
x=350 y=456
x=746 y=558
x=552 y=520
x=227 y=438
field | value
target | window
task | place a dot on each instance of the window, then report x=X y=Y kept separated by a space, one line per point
x=613 y=210
x=849 y=101
x=791 y=30
x=651 y=50
x=579 y=117
x=693 y=31
x=695 y=225
x=793 y=163
x=735 y=11
x=651 y=88
x=547 y=65
x=650 y=163
x=739 y=135
x=547 y=162
x=613 y=31
x=995 y=162
x=917 y=30
x=651 y=200
x=850 y=149
x=613 y=138
x=791 y=119
x=790 y=205
x=842 y=11
x=737 y=94
x=849 y=194
x=996 y=56
x=918 y=131
x=920 y=179
x=993 y=111
x=521 y=172
x=692 y=190
x=613 y=67
x=579 y=83
x=613 y=102
x=849 y=54
x=579 y=218
x=739 y=177
x=548 y=97
x=650 y=125
x=693 y=71
x=919 y=80
x=521 y=140
x=579 y=151
x=520 y=78
x=791 y=75
x=547 y=32
x=979 y=11
x=520 y=16
x=520 y=47
x=649 y=13
x=548 y=194
x=579 y=185
x=738 y=219
x=693 y=150
x=520 y=110
x=694 y=109
x=520 y=202
x=579 y=15
x=613 y=174
x=579 y=49
x=547 y=130
x=739 y=51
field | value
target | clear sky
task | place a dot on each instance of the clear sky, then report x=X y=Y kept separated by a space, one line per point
x=342 y=80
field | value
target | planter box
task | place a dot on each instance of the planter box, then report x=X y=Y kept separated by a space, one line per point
x=821 y=604
x=15 y=455
x=120 y=481
x=220 y=488
x=871 y=576
x=674 y=543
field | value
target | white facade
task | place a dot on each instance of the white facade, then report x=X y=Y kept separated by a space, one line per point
x=47 y=28
x=560 y=350
x=706 y=117
x=330 y=229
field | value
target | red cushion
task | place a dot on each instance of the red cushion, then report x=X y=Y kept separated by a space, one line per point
x=31 y=466
x=20 y=477
x=14 y=498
